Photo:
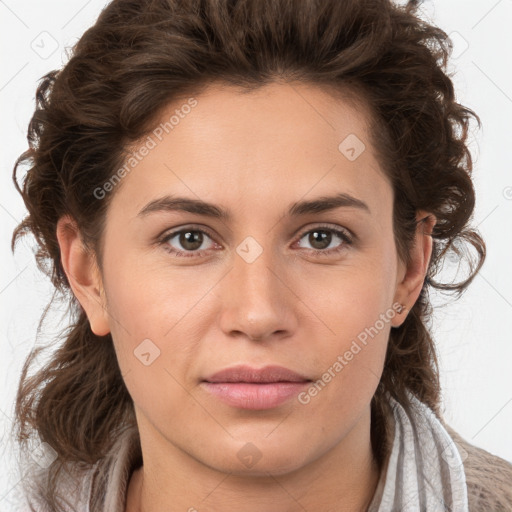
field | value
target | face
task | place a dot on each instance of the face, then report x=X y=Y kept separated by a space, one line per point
x=274 y=281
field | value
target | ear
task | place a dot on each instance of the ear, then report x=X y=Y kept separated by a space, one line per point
x=83 y=274
x=412 y=276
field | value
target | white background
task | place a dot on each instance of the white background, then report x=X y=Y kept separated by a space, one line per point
x=473 y=335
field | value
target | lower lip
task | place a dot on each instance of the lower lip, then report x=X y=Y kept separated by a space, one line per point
x=253 y=395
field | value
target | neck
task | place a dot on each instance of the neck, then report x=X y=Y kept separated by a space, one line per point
x=347 y=473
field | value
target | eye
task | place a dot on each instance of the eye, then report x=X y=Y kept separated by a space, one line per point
x=189 y=242
x=323 y=240
x=193 y=242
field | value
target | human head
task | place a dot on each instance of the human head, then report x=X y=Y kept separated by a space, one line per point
x=120 y=80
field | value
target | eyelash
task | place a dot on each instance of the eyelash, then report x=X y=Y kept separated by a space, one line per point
x=343 y=234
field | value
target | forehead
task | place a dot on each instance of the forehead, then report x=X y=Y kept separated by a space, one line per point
x=248 y=149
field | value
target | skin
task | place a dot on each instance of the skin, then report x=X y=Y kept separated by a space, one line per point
x=291 y=306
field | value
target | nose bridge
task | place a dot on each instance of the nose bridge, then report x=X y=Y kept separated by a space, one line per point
x=253 y=276
x=256 y=301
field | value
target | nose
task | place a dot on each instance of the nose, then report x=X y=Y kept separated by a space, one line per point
x=257 y=300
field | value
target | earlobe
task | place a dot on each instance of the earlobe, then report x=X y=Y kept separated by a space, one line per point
x=83 y=275
x=413 y=275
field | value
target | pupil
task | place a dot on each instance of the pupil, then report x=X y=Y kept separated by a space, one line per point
x=191 y=240
x=324 y=236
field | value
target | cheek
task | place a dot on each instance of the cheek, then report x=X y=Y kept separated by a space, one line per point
x=351 y=363
x=350 y=298
x=151 y=348
x=155 y=319
x=150 y=300
x=355 y=313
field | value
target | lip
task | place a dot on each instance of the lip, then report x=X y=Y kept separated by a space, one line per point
x=252 y=388
x=245 y=373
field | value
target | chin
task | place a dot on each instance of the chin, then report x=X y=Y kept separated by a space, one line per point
x=249 y=460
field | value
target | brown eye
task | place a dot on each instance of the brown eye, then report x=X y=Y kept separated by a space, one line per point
x=321 y=238
x=191 y=240
x=187 y=242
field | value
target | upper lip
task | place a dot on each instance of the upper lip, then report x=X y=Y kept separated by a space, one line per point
x=244 y=373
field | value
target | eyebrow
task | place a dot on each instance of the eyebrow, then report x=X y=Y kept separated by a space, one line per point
x=299 y=208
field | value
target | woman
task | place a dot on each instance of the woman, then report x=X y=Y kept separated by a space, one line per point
x=261 y=345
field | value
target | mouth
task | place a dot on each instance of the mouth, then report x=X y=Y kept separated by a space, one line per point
x=250 y=388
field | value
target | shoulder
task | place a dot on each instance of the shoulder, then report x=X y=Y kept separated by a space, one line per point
x=62 y=487
x=488 y=477
x=81 y=487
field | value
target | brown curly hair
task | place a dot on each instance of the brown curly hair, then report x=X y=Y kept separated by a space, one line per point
x=142 y=54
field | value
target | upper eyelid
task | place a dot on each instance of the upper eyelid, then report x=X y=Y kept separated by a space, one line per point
x=326 y=226
x=166 y=235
